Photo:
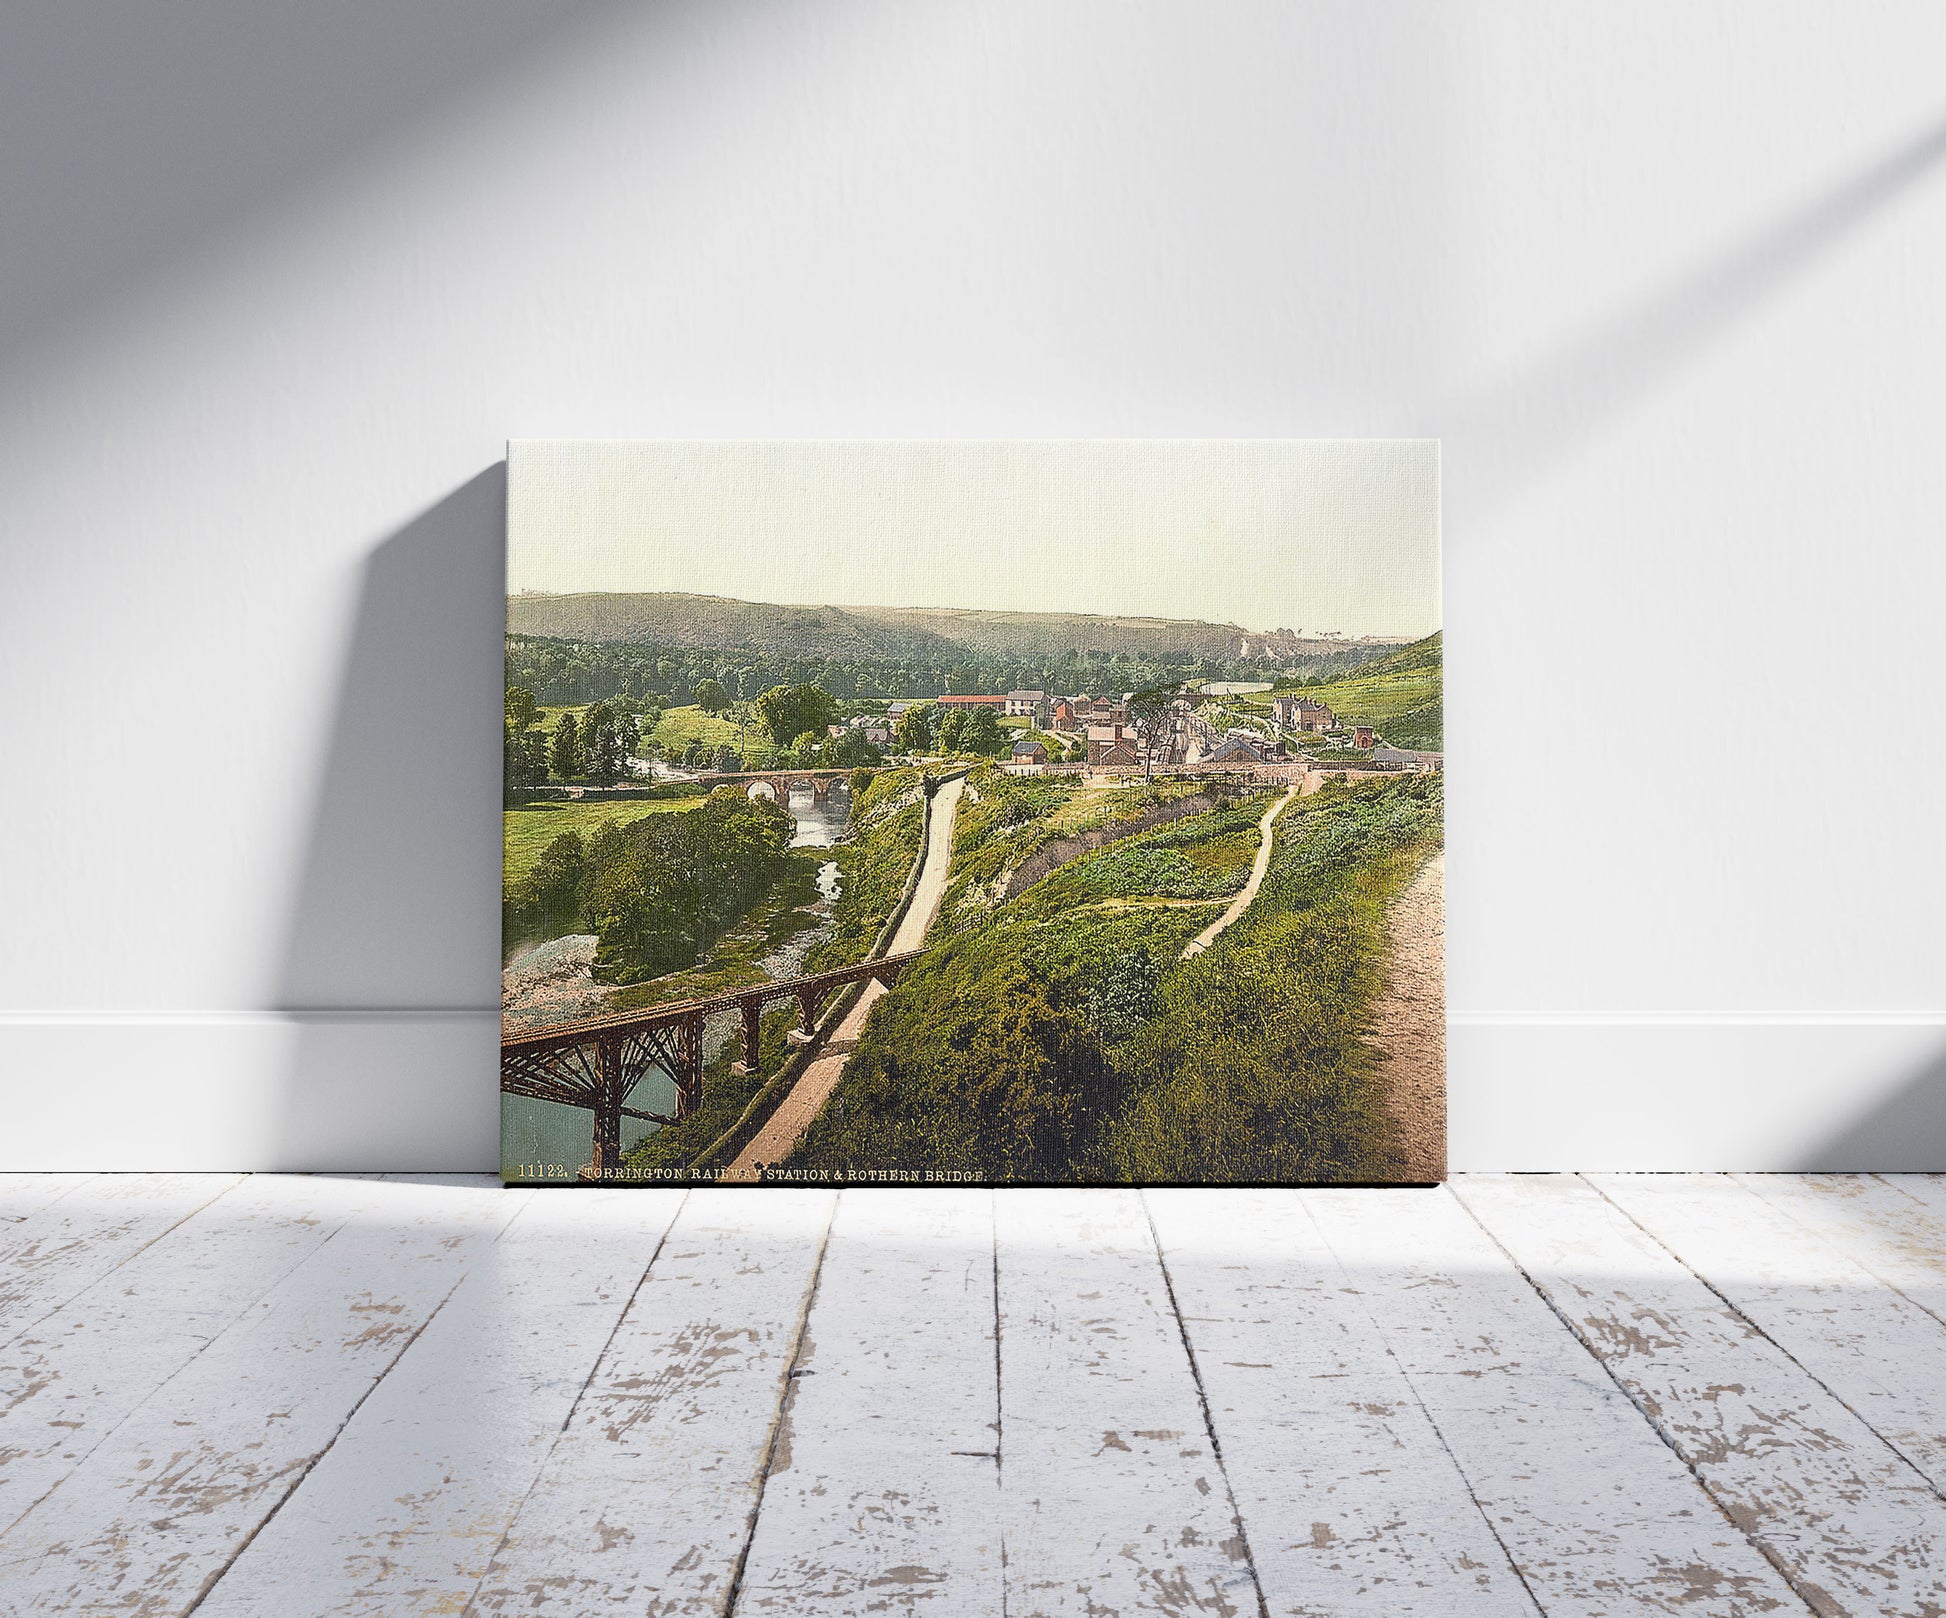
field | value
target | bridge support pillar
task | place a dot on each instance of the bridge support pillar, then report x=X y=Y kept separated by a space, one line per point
x=807 y=1017
x=607 y=1157
x=753 y=1012
x=689 y=1081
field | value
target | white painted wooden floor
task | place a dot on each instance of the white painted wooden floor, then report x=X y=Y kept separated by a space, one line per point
x=1561 y=1395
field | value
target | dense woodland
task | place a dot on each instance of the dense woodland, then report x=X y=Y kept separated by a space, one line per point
x=560 y=672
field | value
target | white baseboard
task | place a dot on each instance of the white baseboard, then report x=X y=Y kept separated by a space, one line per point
x=415 y=1090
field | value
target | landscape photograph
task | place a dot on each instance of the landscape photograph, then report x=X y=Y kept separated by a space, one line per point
x=905 y=812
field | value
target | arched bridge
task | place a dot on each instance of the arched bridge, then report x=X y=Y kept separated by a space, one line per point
x=596 y=1062
x=780 y=782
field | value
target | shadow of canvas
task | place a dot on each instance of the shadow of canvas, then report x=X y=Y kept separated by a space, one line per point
x=391 y=963
x=1906 y=1134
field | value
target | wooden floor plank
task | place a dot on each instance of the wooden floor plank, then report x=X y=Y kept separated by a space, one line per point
x=158 y=1509
x=1113 y=1499
x=1853 y=1525
x=1894 y=1224
x=645 y=1503
x=60 y=1249
x=883 y=1495
x=23 y=1194
x=1876 y=1350
x=403 y=1514
x=1350 y=1500
x=72 y=1378
x=1596 y=1512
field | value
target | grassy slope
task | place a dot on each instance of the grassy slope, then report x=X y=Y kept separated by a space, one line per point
x=528 y=828
x=1400 y=695
x=1245 y=1063
x=1255 y=1065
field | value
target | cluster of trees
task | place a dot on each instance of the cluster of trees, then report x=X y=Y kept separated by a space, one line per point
x=927 y=727
x=597 y=747
x=659 y=890
x=571 y=672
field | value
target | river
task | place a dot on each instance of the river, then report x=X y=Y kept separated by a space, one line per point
x=544 y=1132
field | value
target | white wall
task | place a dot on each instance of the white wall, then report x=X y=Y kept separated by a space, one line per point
x=279 y=282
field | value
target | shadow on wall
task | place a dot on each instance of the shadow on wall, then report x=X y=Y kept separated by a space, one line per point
x=135 y=139
x=1906 y=1132
x=391 y=963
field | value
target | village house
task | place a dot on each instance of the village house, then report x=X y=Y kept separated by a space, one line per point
x=1303 y=713
x=1109 y=747
x=1408 y=758
x=1363 y=736
x=1100 y=711
x=1026 y=704
x=1062 y=717
x=1029 y=751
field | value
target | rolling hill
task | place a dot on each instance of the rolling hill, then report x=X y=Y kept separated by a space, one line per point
x=678 y=620
x=1400 y=694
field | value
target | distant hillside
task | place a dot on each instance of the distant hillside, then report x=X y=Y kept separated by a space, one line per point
x=1401 y=694
x=716 y=622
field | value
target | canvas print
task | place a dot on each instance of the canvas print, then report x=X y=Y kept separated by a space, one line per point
x=973 y=812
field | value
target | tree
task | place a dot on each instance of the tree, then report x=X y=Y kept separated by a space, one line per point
x=979 y=731
x=807 y=749
x=565 y=756
x=949 y=729
x=523 y=762
x=788 y=711
x=851 y=749
x=521 y=710
x=710 y=696
x=602 y=745
x=548 y=893
x=1152 y=711
x=916 y=733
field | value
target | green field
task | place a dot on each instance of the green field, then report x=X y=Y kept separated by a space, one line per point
x=528 y=828
x=681 y=726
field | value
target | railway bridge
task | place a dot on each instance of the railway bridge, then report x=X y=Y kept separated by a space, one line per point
x=596 y=1062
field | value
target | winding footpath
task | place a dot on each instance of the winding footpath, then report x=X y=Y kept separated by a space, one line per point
x=785 y=1127
x=1409 y=1020
x=1241 y=902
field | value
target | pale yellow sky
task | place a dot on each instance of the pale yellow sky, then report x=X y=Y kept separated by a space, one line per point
x=1304 y=534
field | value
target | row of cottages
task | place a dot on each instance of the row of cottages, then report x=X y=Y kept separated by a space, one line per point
x=1414 y=759
x=1304 y=713
x=1246 y=747
x=875 y=730
x=1086 y=712
x=997 y=704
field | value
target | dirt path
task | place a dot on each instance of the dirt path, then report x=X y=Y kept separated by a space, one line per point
x=773 y=1143
x=1241 y=902
x=1409 y=1021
